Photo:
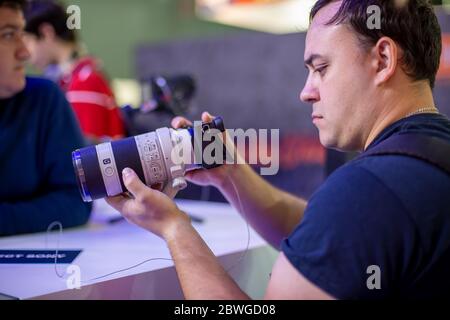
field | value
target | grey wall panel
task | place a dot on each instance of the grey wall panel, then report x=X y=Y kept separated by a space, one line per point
x=253 y=79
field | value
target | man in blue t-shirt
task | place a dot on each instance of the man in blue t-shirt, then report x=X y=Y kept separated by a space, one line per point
x=37 y=134
x=379 y=227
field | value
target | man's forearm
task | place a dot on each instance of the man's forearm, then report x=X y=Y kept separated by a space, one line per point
x=271 y=212
x=200 y=274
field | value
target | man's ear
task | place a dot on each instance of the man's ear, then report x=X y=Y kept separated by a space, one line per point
x=385 y=59
x=47 y=32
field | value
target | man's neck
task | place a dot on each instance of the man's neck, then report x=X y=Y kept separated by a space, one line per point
x=64 y=55
x=405 y=102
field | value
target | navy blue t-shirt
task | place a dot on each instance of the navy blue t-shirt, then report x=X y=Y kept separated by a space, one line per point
x=381 y=215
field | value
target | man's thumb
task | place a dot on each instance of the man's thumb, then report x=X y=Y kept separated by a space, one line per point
x=132 y=182
x=207 y=117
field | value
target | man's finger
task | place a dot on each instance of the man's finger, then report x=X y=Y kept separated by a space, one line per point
x=206 y=117
x=132 y=182
x=117 y=202
x=180 y=122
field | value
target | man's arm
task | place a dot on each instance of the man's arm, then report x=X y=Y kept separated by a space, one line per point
x=272 y=212
x=202 y=277
x=200 y=273
x=287 y=283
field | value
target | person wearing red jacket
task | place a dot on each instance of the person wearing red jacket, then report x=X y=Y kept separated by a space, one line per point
x=92 y=100
x=55 y=50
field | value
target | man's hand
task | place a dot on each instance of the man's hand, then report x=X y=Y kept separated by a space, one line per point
x=148 y=208
x=201 y=275
x=212 y=177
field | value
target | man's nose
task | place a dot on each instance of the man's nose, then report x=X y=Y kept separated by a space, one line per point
x=22 y=52
x=309 y=94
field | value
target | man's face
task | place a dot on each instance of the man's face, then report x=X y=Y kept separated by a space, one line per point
x=13 y=53
x=41 y=51
x=339 y=83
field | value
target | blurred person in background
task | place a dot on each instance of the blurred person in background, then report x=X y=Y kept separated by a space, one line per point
x=38 y=131
x=55 y=50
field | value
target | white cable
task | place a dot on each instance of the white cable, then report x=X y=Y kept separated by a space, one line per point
x=126 y=269
x=62 y=276
x=49 y=229
x=247 y=225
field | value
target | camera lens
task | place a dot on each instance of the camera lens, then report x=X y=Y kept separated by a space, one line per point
x=81 y=178
x=99 y=168
x=151 y=155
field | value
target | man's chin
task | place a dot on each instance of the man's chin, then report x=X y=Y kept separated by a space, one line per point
x=333 y=143
x=12 y=90
x=327 y=141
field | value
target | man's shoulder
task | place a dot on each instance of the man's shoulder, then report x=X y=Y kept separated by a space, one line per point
x=354 y=210
x=409 y=164
x=353 y=181
x=363 y=186
x=42 y=91
x=352 y=192
x=35 y=85
x=43 y=96
x=387 y=185
x=400 y=169
x=383 y=170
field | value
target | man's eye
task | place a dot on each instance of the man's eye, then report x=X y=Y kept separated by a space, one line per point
x=8 y=35
x=320 y=69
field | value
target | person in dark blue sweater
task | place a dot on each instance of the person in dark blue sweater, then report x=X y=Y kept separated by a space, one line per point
x=38 y=131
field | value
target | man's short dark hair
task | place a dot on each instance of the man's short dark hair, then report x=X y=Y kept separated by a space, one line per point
x=14 y=4
x=413 y=26
x=51 y=12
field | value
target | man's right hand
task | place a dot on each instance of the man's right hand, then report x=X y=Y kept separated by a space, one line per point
x=212 y=177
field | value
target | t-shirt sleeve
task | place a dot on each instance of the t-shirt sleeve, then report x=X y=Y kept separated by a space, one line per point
x=349 y=243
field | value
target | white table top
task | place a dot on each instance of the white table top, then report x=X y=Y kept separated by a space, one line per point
x=111 y=247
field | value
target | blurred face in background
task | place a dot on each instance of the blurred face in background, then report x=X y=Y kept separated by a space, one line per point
x=42 y=49
x=340 y=83
x=13 y=52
